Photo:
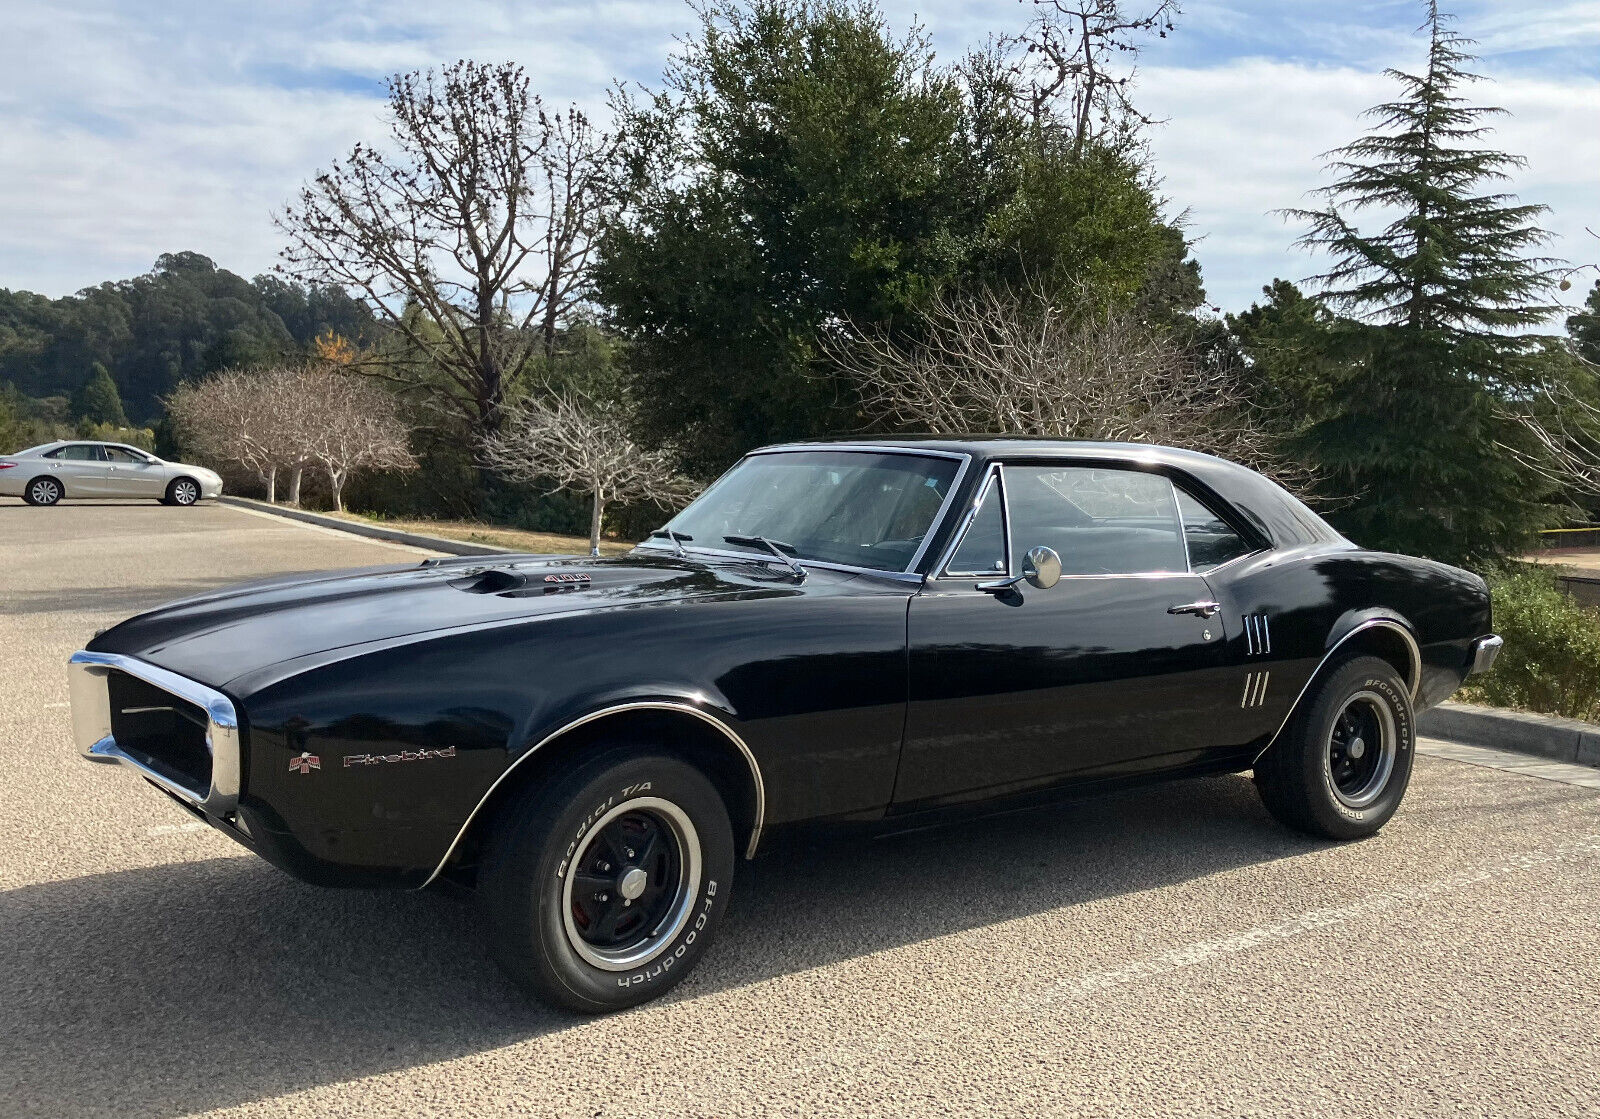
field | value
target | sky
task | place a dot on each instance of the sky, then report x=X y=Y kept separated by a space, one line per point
x=130 y=128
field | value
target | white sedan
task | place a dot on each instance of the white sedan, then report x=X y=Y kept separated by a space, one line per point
x=45 y=474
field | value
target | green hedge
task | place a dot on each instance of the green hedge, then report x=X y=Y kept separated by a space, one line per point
x=1551 y=659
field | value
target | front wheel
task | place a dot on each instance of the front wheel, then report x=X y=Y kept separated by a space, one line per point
x=1342 y=766
x=603 y=888
x=183 y=491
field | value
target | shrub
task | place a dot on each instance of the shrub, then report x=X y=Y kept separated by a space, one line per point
x=1551 y=659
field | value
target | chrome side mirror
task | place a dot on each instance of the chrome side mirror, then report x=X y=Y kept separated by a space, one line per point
x=1041 y=567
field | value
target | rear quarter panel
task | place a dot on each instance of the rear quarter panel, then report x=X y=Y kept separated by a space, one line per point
x=1315 y=597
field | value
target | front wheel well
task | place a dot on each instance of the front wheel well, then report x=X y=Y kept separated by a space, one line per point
x=669 y=729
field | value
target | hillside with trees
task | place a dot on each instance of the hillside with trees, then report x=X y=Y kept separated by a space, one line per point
x=183 y=319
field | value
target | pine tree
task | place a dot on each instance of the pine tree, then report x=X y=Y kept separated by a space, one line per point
x=98 y=401
x=1584 y=327
x=1415 y=434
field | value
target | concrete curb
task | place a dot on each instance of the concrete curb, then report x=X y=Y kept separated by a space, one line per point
x=372 y=532
x=1544 y=736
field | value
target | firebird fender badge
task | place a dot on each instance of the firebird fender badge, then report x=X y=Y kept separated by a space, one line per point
x=402 y=756
x=305 y=763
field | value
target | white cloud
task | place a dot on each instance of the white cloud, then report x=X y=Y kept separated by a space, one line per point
x=133 y=129
x=1243 y=139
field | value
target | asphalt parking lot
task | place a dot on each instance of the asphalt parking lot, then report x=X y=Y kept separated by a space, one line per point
x=1161 y=952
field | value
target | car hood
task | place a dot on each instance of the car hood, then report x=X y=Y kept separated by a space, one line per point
x=219 y=636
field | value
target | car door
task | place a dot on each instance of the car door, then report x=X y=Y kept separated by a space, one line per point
x=130 y=474
x=1119 y=667
x=80 y=468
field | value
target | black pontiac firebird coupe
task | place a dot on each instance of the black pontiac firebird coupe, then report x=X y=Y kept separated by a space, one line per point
x=844 y=631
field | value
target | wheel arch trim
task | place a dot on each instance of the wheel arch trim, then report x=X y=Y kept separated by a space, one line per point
x=678 y=707
x=1413 y=650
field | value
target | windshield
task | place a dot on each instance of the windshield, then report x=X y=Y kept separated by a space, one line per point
x=861 y=508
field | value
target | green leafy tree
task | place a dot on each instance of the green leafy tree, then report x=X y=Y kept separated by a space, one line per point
x=97 y=400
x=14 y=429
x=802 y=168
x=1584 y=327
x=1416 y=427
x=806 y=174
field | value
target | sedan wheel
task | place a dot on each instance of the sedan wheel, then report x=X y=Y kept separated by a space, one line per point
x=183 y=492
x=602 y=889
x=1340 y=768
x=43 y=491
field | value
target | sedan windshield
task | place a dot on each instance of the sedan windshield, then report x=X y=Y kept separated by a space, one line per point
x=860 y=508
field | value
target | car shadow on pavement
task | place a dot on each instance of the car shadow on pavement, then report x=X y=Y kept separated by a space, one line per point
x=190 y=986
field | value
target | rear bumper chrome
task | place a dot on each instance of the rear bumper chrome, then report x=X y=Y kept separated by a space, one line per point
x=1484 y=651
x=91 y=727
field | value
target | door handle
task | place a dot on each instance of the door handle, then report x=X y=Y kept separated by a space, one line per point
x=1200 y=609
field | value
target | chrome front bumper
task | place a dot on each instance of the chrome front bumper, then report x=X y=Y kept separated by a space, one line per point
x=1484 y=651
x=91 y=726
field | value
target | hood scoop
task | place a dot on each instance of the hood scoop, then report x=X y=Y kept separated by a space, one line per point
x=497 y=580
x=491 y=580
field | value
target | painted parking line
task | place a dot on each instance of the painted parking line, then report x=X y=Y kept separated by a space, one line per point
x=1578 y=852
x=1581 y=850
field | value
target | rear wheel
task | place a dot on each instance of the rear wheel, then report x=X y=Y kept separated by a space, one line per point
x=603 y=888
x=1342 y=766
x=183 y=491
x=43 y=491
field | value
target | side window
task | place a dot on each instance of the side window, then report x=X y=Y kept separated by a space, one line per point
x=982 y=550
x=1100 y=521
x=1211 y=542
x=77 y=452
x=117 y=454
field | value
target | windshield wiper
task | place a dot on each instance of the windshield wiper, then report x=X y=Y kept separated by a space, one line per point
x=677 y=538
x=776 y=547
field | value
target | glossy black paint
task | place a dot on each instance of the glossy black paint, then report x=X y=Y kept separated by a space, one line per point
x=859 y=695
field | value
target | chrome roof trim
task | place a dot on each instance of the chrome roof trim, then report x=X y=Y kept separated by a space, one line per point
x=638 y=705
x=1415 y=681
x=91 y=725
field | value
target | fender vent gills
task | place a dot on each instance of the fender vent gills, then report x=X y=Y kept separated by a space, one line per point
x=1257 y=635
x=1255 y=689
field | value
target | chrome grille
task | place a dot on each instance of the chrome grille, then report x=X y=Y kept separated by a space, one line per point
x=175 y=732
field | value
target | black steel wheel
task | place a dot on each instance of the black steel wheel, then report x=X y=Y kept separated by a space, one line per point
x=183 y=491
x=43 y=491
x=602 y=888
x=1340 y=768
x=631 y=883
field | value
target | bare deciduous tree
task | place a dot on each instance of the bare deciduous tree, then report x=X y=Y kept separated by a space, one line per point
x=472 y=237
x=234 y=416
x=1066 y=53
x=584 y=445
x=350 y=424
x=1019 y=362
x=289 y=418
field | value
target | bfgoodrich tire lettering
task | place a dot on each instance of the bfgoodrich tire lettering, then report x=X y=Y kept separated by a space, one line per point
x=1342 y=766
x=559 y=850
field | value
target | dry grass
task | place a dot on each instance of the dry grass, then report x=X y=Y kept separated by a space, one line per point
x=495 y=535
